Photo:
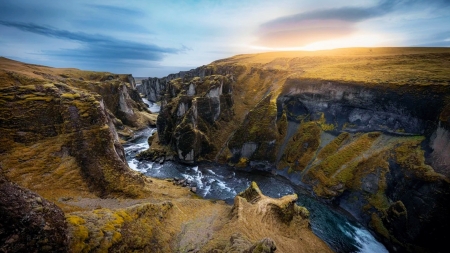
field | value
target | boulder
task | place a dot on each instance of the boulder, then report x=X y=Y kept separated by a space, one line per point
x=29 y=222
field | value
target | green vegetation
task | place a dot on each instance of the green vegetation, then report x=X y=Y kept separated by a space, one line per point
x=258 y=127
x=333 y=146
x=302 y=147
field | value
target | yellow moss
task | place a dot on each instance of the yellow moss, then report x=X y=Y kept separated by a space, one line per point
x=71 y=96
x=243 y=162
x=31 y=87
x=48 y=85
x=377 y=224
x=79 y=235
x=345 y=165
x=34 y=98
x=323 y=125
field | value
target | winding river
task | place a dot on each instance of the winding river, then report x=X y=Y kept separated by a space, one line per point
x=215 y=181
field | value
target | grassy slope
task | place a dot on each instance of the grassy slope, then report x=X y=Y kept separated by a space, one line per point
x=372 y=66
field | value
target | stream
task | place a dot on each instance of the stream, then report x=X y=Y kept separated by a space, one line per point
x=216 y=181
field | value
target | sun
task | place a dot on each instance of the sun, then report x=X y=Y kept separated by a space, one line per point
x=357 y=40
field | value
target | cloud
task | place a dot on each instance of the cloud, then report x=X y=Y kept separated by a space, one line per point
x=96 y=47
x=116 y=10
x=318 y=25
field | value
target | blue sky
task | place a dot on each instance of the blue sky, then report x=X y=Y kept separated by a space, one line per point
x=155 y=38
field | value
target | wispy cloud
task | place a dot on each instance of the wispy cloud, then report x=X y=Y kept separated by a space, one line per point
x=325 y=24
x=96 y=46
x=116 y=10
x=307 y=27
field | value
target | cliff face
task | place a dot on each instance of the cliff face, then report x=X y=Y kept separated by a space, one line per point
x=59 y=128
x=365 y=128
x=192 y=108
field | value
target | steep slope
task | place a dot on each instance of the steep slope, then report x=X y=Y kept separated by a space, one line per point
x=58 y=129
x=365 y=128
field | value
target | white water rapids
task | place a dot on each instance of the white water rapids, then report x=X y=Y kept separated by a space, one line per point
x=215 y=181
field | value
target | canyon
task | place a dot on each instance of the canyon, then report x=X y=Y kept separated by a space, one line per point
x=366 y=130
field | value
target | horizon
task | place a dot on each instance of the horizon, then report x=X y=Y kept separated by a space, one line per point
x=237 y=55
x=156 y=39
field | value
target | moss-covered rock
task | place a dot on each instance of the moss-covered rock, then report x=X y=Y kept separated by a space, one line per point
x=133 y=229
x=29 y=222
x=256 y=136
x=191 y=113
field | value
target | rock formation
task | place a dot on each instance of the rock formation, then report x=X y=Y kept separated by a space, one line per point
x=65 y=185
x=190 y=112
x=367 y=129
x=29 y=223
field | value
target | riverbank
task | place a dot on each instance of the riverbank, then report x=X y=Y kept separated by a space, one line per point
x=221 y=182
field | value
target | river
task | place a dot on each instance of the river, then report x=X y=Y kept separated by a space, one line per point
x=215 y=181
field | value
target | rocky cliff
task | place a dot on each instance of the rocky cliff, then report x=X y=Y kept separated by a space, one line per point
x=366 y=129
x=65 y=185
x=59 y=127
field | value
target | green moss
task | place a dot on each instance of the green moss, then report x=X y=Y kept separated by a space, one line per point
x=303 y=146
x=341 y=167
x=258 y=127
x=333 y=146
x=410 y=156
x=334 y=162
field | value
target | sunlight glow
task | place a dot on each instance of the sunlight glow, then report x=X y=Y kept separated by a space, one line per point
x=357 y=40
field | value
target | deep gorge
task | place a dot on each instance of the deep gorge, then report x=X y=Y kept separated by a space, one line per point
x=371 y=149
x=349 y=130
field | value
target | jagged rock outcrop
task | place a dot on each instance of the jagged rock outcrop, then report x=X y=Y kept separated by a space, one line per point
x=186 y=225
x=29 y=223
x=155 y=88
x=192 y=108
x=359 y=129
x=251 y=203
x=286 y=221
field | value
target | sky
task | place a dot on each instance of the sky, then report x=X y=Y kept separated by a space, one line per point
x=156 y=38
